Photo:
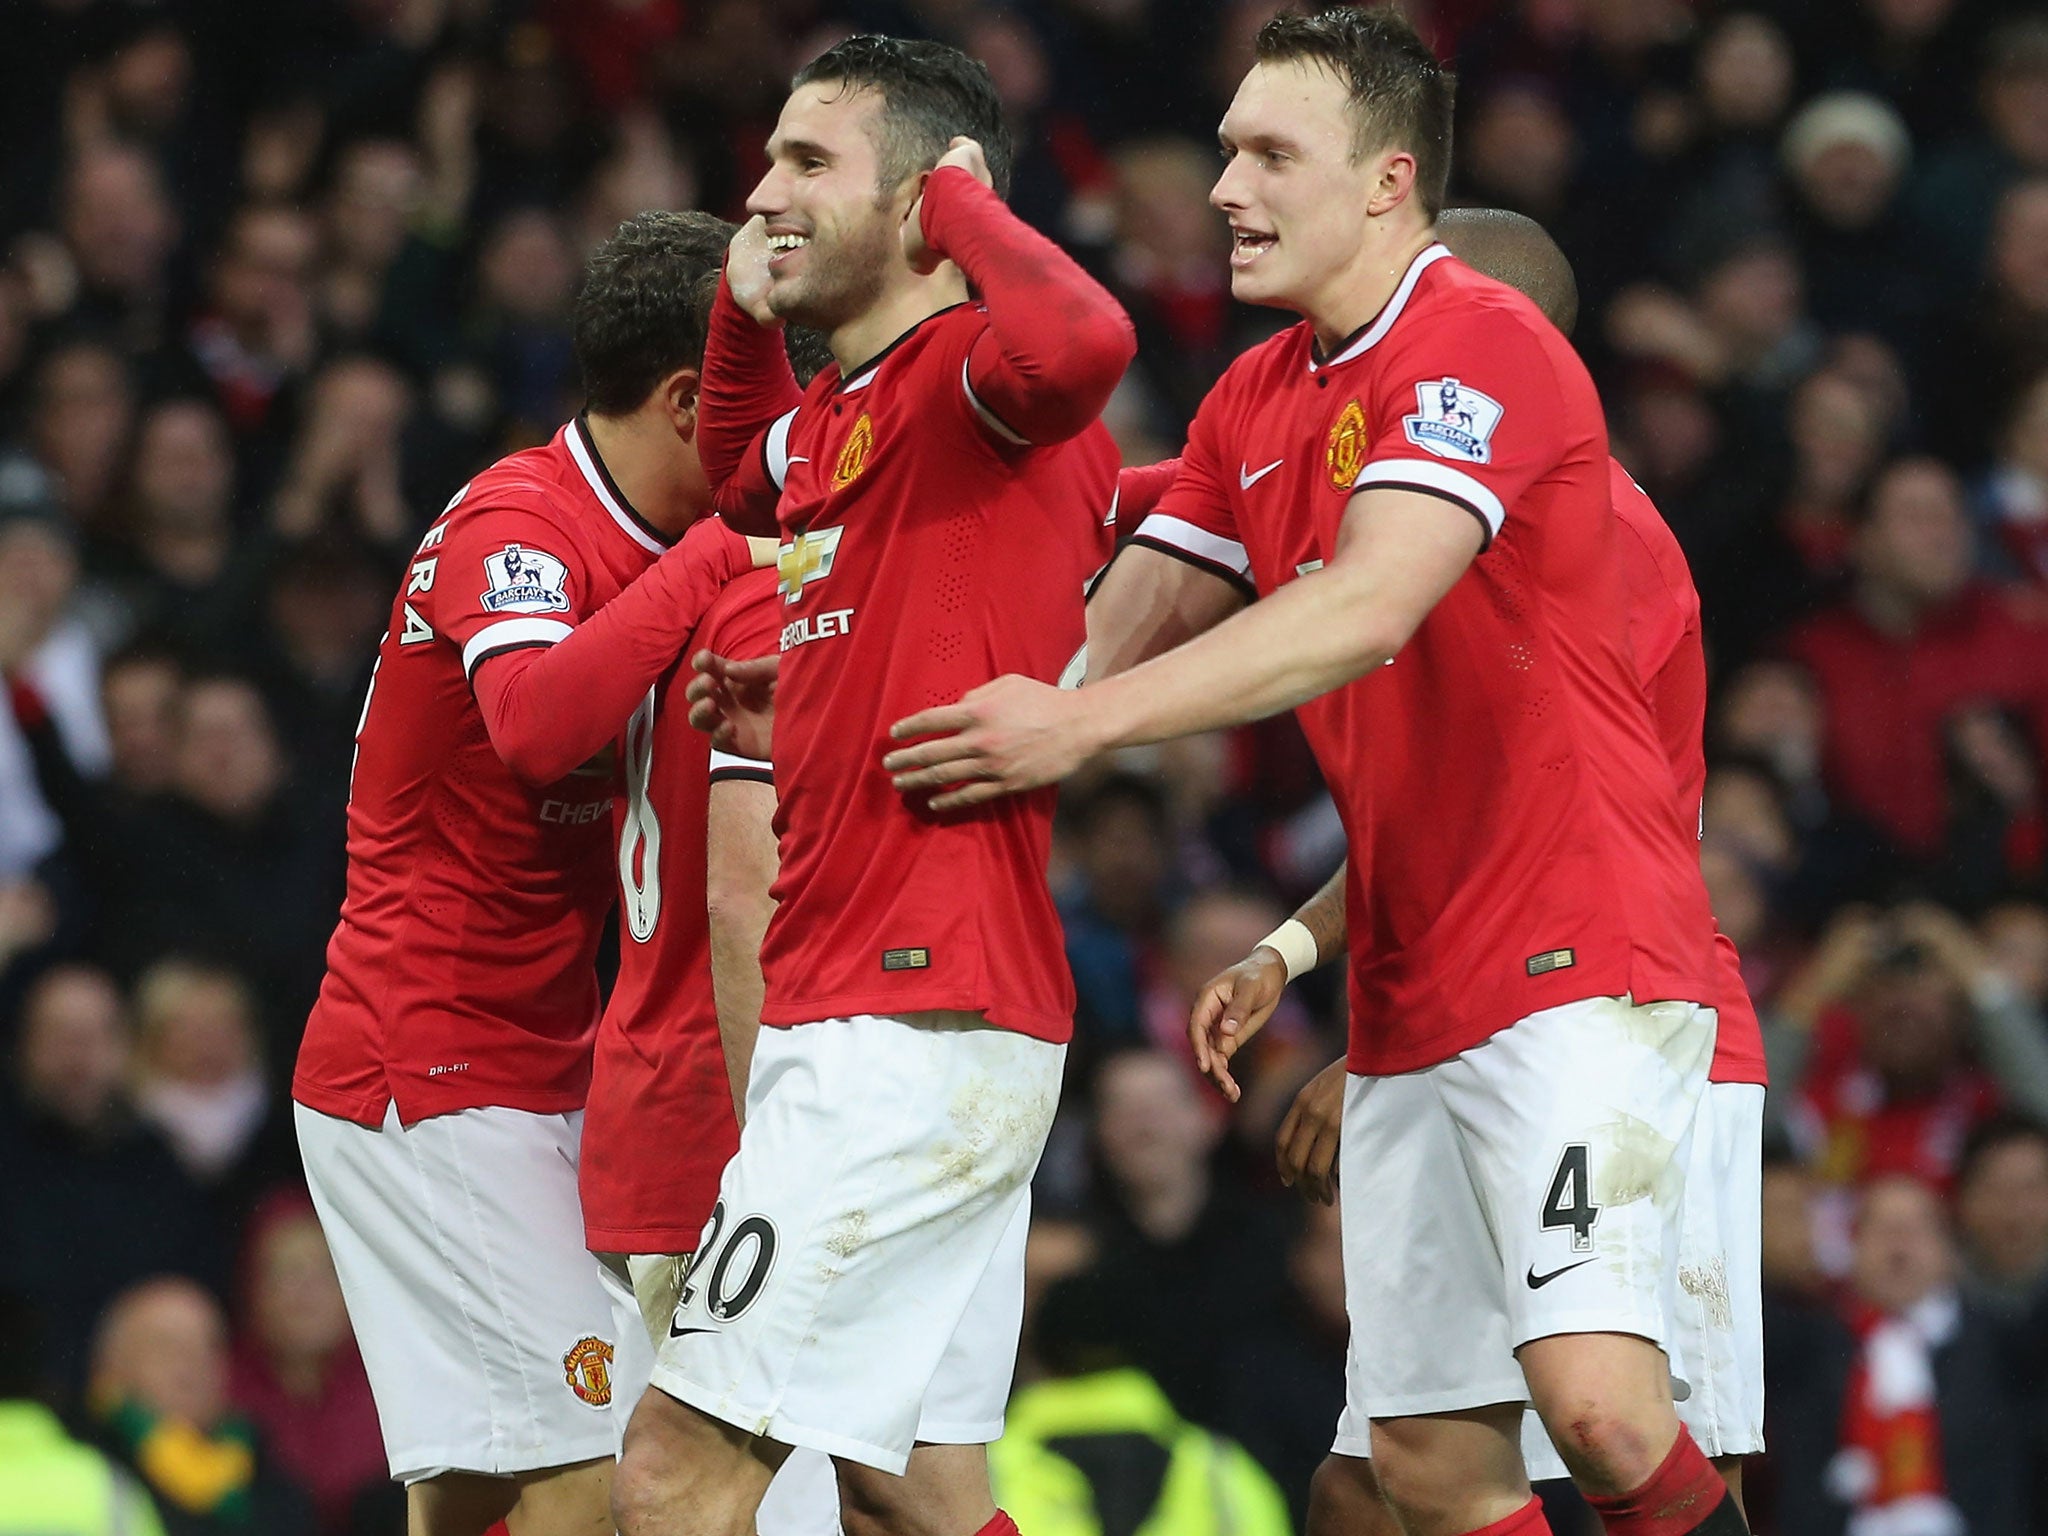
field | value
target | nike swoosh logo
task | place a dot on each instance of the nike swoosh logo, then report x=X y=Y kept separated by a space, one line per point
x=1247 y=478
x=798 y=458
x=676 y=1333
x=1537 y=1282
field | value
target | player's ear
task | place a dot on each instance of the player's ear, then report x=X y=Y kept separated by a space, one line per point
x=678 y=394
x=1394 y=182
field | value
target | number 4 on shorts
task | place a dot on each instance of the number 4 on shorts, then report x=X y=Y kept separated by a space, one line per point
x=1570 y=1201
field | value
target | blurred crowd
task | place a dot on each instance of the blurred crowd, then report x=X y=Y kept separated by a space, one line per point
x=277 y=275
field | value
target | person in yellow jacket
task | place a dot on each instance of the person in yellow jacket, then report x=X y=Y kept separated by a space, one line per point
x=50 y=1485
x=1097 y=1450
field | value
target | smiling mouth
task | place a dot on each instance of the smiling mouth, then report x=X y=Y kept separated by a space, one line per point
x=780 y=246
x=1247 y=245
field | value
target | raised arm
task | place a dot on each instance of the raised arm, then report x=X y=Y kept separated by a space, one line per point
x=1057 y=343
x=747 y=380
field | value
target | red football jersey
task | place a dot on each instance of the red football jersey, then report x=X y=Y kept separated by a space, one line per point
x=462 y=972
x=659 y=1126
x=1664 y=632
x=922 y=557
x=1514 y=826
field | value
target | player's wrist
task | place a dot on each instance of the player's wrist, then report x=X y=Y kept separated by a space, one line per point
x=1295 y=945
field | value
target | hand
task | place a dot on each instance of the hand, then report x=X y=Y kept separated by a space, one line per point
x=746 y=271
x=1846 y=954
x=1947 y=940
x=1005 y=737
x=1232 y=1006
x=734 y=703
x=1306 y=1148
x=728 y=554
x=965 y=153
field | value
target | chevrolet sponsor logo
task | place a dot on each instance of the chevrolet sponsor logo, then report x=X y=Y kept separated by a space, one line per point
x=806 y=559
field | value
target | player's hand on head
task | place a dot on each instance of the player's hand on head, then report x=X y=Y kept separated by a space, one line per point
x=1306 y=1146
x=966 y=154
x=1232 y=1006
x=963 y=154
x=746 y=271
x=733 y=702
x=1007 y=736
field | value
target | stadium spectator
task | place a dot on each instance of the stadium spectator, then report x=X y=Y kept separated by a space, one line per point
x=50 y=1484
x=73 y=1146
x=139 y=691
x=82 y=413
x=1916 y=640
x=2002 y=1212
x=296 y=1373
x=200 y=1081
x=1114 y=901
x=121 y=229
x=1181 y=1236
x=227 y=864
x=1997 y=338
x=1285 y=1370
x=2011 y=498
x=159 y=1403
x=1096 y=1447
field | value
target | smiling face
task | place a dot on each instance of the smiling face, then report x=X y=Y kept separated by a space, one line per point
x=1296 y=199
x=836 y=232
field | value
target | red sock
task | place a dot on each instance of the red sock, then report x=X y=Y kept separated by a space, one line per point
x=1002 y=1525
x=1678 y=1498
x=1526 y=1521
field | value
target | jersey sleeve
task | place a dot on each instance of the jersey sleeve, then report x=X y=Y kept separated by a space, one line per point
x=1194 y=520
x=500 y=577
x=747 y=500
x=1471 y=411
x=745 y=622
x=746 y=383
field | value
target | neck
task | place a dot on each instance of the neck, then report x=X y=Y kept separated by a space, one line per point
x=860 y=340
x=1167 y=1213
x=1889 y=610
x=1352 y=298
x=640 y=451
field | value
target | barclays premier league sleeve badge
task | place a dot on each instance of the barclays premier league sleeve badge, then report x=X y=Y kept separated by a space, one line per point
x=1453 y=420
x=524 y=580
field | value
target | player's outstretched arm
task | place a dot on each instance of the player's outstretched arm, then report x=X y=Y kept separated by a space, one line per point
x=1057 y=344
x=550 y=710
x=740 y=862
x=1397 y=554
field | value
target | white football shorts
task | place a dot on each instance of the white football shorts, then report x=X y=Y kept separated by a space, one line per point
x=482 y=1319
x=1529 y=1186
x=860 y=1284
x=1720 y=1320
x=803 y=1497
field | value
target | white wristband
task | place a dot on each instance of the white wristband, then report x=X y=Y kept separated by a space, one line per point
x=1295 y=945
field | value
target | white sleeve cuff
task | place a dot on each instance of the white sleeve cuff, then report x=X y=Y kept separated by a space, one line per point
x=1438 y=479
x=730 y=765
x=1209 y=548
x=775 y=448
x=509 y=635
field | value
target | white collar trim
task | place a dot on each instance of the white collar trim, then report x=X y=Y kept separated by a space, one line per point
x=1375 y=333
x=583 y=454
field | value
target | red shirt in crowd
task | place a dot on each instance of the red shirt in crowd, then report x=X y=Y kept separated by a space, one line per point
x=1889 y=698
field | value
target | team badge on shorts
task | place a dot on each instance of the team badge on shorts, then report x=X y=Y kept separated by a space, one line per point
x=1346 y=452
x=588 y=1369
x=1453 y=421
x=525 y=580
x=853 y=457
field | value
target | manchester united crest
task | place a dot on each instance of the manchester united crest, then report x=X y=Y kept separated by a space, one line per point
x=1346 y=452
x=588 y=1369
x=853 y=457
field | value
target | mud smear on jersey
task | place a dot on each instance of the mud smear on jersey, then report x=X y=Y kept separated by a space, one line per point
x=1632 y=1162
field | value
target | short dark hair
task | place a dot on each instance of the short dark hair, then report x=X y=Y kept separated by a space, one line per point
x=931 y=94
x=645 y=304
x=1401 y=96
x=2004 y=1129
x=1513 y=248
